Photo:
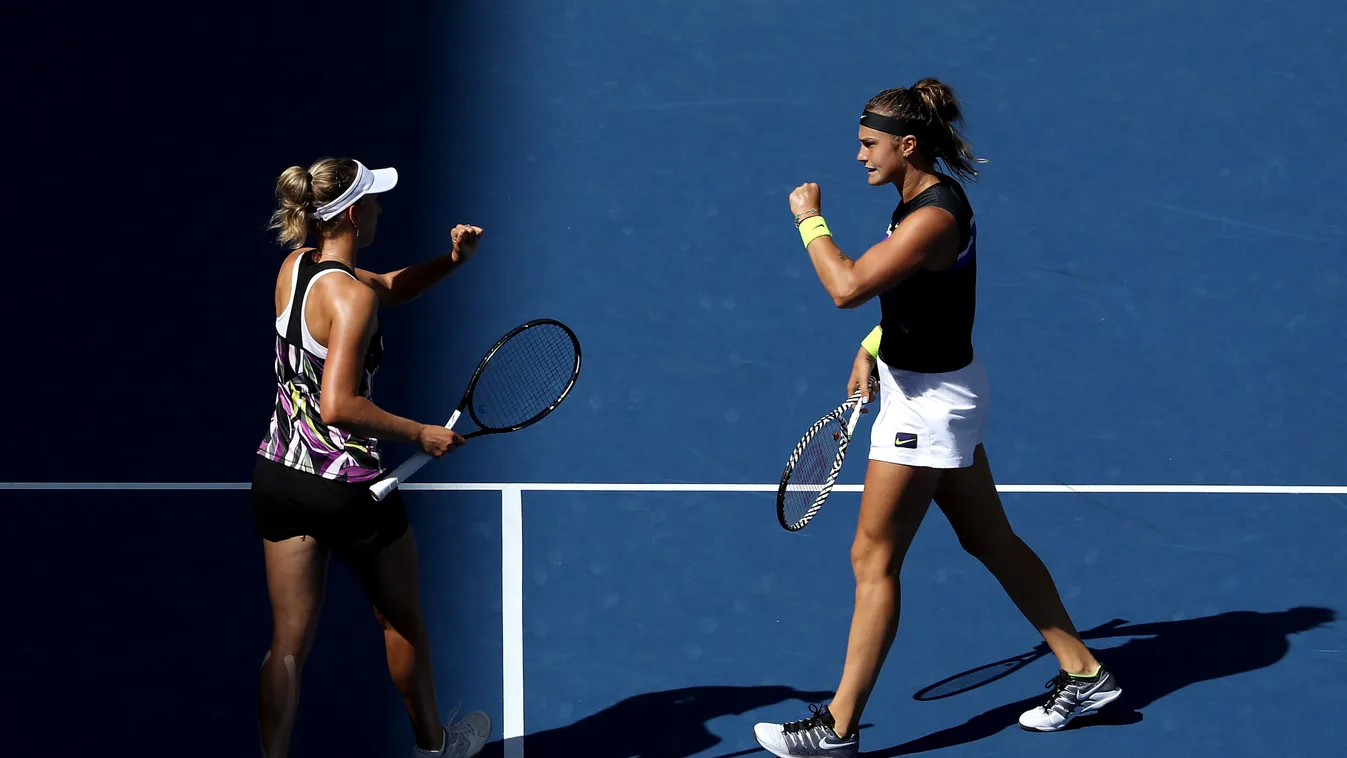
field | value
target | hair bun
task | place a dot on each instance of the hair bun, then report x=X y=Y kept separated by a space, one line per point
x=295 y=186
x=938 y=97
x=300 y=191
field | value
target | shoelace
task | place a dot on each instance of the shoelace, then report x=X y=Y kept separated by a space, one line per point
x=454 y=731
x=1058 y=685
x=457 y=728
x=805 y=725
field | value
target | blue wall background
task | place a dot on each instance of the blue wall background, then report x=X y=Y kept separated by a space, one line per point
x=1160 y=209
x=1161 y=282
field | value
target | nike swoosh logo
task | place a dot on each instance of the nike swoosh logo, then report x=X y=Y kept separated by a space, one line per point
x=827 y=743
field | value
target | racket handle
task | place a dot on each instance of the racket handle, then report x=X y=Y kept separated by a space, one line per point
x=855 y=415
x=410 y=466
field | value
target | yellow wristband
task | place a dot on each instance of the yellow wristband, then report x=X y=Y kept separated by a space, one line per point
x=812 y=228
x=871 y=341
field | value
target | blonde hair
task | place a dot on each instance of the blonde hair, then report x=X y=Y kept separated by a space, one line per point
x=931 y=102
x=301 y=191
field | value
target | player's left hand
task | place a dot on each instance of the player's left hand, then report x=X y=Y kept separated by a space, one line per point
x=805 y=198
x=465 y=239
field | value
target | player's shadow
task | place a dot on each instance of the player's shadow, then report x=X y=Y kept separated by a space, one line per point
x=670 y=724
x=1163 y=657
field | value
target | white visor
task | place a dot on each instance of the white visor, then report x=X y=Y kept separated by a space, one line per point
x=366 y=182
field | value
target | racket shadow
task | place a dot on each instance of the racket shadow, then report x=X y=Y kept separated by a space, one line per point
x=1161 y=658
x=991 y=672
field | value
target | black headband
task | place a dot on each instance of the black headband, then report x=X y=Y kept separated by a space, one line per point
x=889 y=125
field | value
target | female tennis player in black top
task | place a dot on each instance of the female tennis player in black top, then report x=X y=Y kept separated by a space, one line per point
x=927 y=439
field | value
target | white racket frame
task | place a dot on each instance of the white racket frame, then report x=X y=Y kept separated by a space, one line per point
x=856 y=402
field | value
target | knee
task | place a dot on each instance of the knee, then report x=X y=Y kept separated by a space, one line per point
x=291 y=641
x=874 y=559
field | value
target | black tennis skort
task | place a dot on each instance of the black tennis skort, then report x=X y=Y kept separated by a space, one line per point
x=343 y=516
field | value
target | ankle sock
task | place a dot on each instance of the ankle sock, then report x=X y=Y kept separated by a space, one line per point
x=1091 y=675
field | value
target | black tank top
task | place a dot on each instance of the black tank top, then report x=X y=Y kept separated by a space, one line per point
x=927 y=318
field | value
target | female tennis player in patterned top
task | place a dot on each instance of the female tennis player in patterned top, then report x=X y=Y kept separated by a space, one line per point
x=927 y=439
x=310 y=488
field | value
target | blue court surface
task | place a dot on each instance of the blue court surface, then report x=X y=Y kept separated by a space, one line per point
x=1161 y=298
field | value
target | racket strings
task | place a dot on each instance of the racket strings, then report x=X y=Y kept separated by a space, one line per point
x=525 y=377
x=812 y=471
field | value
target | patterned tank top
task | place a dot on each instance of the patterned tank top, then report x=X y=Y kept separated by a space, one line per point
x=297 y=436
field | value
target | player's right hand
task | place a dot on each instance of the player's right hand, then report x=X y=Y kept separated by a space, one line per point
x=862 y=376
x=438 y=440
x=465 y=238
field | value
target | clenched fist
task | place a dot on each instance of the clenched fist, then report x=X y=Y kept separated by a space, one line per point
x=465 y=239
x=805 y=199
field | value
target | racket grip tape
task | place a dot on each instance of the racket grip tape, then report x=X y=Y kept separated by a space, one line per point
x=410 y=466
x=855 y=415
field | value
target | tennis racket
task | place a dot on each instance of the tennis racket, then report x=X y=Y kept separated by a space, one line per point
x=521 y=379
x=813 y=466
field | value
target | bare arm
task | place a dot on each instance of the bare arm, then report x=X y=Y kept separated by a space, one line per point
x=407 y=284
x=353 y=307
x=926 y=239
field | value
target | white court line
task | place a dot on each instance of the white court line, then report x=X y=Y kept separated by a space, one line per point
x=1124 y=489
x=512 y=618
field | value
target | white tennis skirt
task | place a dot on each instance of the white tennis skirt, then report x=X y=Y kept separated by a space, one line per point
x=930 y=420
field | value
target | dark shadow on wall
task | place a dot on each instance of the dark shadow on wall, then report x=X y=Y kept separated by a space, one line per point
x=151 y=140
x=148 y=141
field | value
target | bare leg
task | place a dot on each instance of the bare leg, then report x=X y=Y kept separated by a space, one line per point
x=390 y=580
x=296 y=573
x=894 y=502
x=970 y=501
